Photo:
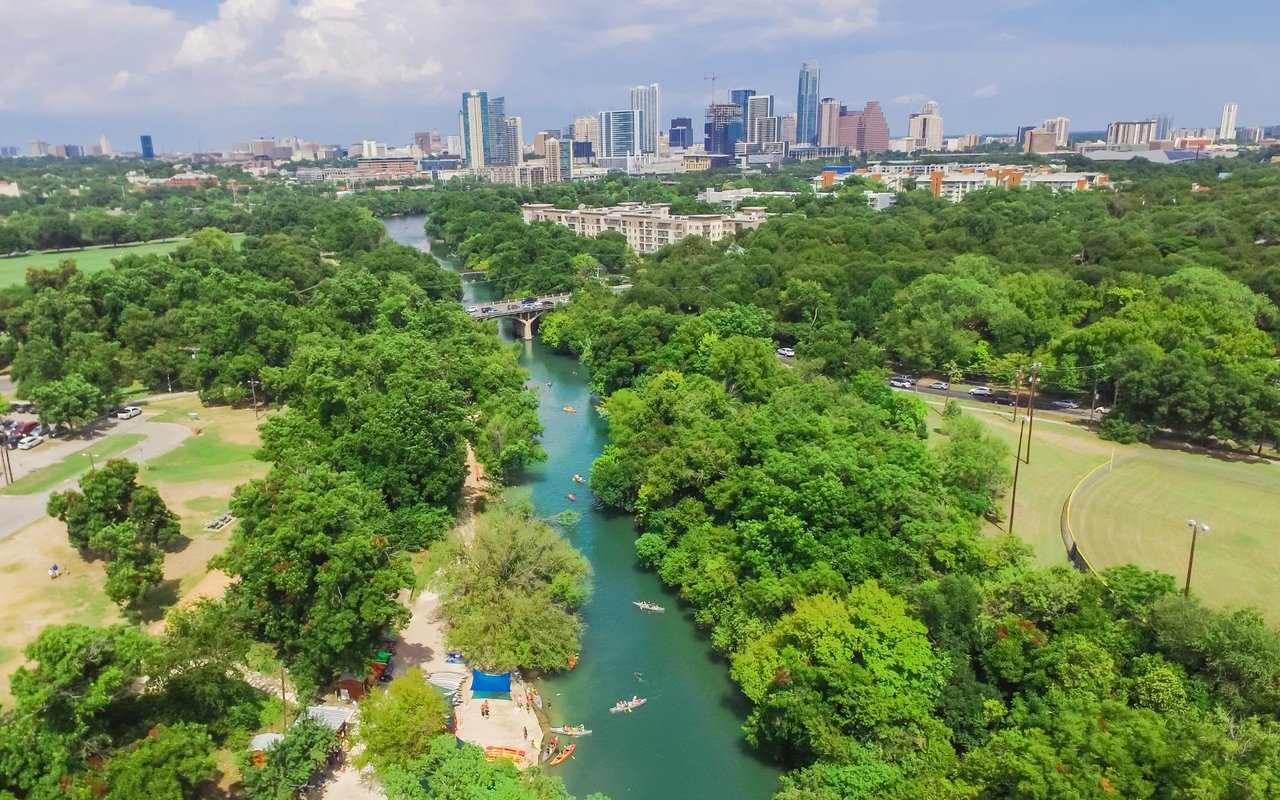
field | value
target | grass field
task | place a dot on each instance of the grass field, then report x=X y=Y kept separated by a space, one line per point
x=75 y=464
x=13 y=271
x=1138 y=513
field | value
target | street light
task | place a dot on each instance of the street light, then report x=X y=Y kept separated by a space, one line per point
x=91 y=457
x=1195 y=527
x=1013 y=501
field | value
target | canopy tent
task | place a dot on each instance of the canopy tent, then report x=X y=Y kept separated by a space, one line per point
x=490 y=683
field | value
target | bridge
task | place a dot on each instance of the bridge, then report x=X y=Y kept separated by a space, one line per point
x=526 y=311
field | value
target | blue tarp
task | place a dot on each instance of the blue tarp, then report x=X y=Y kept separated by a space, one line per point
x=487 y=682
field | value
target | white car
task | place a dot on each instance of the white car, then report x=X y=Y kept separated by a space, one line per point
x=128 y=412
x=29 y=442
x=785 y=351
x=940 y=385
x=982 y=391
x=473 y=309
x=899 y=383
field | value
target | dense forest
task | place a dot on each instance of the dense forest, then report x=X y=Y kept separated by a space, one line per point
x=385 y=384
x=889 y=650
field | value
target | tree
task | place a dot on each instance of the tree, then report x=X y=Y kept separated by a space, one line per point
x=975 y=464
x=288 y=764
x=398 y=725
x=109 y=495
x=167 y=765
x=71 y=401
x=448 y=771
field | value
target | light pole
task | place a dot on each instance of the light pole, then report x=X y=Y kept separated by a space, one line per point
x=253 y=387
x=1031 y=406
x=1195 y=527
x=1017 y=462
x=91 y=456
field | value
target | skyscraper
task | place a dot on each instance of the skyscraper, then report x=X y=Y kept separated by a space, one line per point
x=498 y=153
x=104 y=144
x=647 y=101
x=1138 y=132
x=828 y=122
x=1061 y=127
x=926 y=127
x=514 y=141
x=1164 y=124
x=787 y=129
x=759 y=107
x=873 y=130
x=587 y=129
x=474 y=124
x=723 y=129
x=681 y=133
x=739 y=98
x=148 y=149
x=1227 y=130
x=807 y=104
x=620 y=133
x=559 y=154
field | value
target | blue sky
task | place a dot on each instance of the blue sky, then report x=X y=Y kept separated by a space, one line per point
x=205 y=74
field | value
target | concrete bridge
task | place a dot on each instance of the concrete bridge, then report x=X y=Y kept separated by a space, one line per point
x=525 y=312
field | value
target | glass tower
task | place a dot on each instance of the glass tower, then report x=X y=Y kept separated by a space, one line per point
x=807 y=104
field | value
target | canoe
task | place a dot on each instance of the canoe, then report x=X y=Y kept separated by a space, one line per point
x=571 y=409
x=563 y=754
x=573 y=730
x=627 y=705
x=647 y=606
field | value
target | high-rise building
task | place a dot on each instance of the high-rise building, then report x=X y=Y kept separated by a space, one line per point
x=849 y=123
x=148 y=149
x=681 y=133
x=1125 y=133
x=1040 y=141
x=807 y=104
x=873 y=129
x=1164 y=125
x=587 y=129
x=1061 y=127
x=723 y=128
x=473 y=121
x=104 y=144
x=926 y=127
x=828 y=122
x=1227 y=130
x=498 y=153
x=559 y=155
x=787 y=132
x=38 y=149
x=647 y=101
x=514 y=141
x=759 y=108
x=739 y=98
x=620 y=133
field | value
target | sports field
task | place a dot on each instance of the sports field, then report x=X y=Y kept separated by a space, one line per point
x=13 y=271
x=1138 y=512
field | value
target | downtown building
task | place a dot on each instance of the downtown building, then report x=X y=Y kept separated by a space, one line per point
x=645 y=227
x=646 y=101
x=807 y=103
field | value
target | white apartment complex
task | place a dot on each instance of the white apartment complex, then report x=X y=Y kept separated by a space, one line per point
x=646 y=227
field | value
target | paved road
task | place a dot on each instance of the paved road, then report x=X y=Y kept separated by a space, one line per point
x=19 y=511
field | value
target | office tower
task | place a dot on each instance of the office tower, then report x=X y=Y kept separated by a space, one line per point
x=926 y=127
x=807 y=104
x=759 y=107
x=8 y=151
x=1227 y=130
x=262 y=147
x=513 y=140
x=37 y=148
x=369 y=148
x=559 y=156
x=848 y=124
x=498 y=153
x=1124 y=133
x=723 y=128
x=647 y=101
x=1061 y=127
x=828 y=122
x=587 y=129
x=620 y=133
x=1020 y=135
x=681 y=133
x=429 y=142
x=473 y=121
x=73 y=150
x=104 y=144
x=1040 y=141
x=148 y=149
x=739 y=98
x=1164 y=124
x=787 y=131
x=873 y=129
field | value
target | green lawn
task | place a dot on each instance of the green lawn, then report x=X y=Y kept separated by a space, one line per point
x=48 y=477
x=13 y=271
x=1138 y=513
x=204 y=457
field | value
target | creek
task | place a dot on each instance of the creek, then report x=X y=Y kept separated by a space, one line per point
x=686 y=741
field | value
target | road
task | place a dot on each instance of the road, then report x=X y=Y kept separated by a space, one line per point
x=19 y=511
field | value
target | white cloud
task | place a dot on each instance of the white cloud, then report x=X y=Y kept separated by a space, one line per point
x=990 y=90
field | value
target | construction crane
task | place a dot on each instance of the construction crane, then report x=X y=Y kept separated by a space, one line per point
x=713 y=77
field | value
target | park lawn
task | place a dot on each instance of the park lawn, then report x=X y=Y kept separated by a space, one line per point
x=1138 y=512
x=222 y=449
x=74 y=464
x=13 y=271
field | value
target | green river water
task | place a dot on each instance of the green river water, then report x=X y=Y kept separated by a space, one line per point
x=686 y=741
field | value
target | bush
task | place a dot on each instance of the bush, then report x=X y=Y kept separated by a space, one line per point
x=1118 y=429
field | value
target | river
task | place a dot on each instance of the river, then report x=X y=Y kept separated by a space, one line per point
x=686 y=741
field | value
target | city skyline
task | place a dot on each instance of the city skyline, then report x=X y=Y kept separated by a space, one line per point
x=202 y=75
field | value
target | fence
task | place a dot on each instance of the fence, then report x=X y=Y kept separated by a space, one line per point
x=1074 y=554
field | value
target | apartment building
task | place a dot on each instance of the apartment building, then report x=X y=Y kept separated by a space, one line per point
x=646 y=227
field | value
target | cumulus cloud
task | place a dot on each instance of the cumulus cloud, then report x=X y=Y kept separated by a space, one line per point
x=990 y=90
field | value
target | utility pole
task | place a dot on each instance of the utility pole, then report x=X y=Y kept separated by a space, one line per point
x=1017 y=462
x=284 y=704
x=253 y=387
x=1017 y=401
x=5 y=463
x=1093 y=404
x=1196 y=527
x=1031 y=407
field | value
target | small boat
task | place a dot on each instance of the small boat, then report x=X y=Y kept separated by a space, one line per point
x=563 y=755
x=578 y=478
x=573 y=730
x=647 y=606
x=627 y=705
x=571 y=497
x=571 y=409
x=573 y=661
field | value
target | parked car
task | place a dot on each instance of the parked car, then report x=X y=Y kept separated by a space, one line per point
x=1004 y=400
x=907 y=379
x=11 y=439
x=26 y=428
x=1065 y=404
x=899 y=383
x=785 y=351
x=128 y=412
x=940 y=385
x=1100 y=410
x=982 y=391
x=473 y=309
x=29 y=442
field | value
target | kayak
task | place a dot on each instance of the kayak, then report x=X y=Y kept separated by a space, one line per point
x=573 y=730
x=647 y=606
x=563 y=754
x=627 y=705
x=571 y=409
x=571 y=497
